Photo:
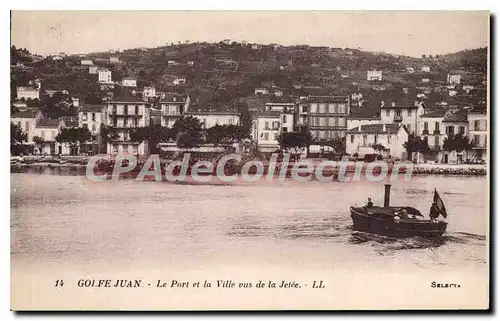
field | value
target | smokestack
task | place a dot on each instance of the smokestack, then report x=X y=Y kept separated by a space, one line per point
x=387 y=196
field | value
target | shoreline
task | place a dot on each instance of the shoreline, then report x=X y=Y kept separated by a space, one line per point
x=418 y=169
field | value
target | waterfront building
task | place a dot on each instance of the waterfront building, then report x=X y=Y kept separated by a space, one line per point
x=124 y=114
x=360 y=140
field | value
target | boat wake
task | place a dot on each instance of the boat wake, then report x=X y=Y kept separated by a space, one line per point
x=416 y=242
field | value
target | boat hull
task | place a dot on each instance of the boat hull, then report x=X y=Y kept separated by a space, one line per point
x=387 y=226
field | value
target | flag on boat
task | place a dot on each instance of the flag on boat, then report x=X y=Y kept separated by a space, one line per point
x=439 y=204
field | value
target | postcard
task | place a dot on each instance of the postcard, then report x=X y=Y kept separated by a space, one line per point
x=250 y=160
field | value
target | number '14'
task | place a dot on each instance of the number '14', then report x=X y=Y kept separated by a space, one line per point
x=59 y=283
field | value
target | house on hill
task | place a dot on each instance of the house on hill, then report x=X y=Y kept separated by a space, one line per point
x=129 y=81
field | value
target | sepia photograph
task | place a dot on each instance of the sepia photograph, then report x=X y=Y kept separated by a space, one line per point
x=249 y=160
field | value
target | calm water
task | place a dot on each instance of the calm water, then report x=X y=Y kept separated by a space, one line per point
x=65 y=219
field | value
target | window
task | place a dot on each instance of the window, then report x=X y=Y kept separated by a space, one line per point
x=389 y=139
x=461 y=130
x=450 y=130
x=276 y=136
x=27 y=126
x=376 y=138
x=285 y=129
x=94 y=127
x=42 y=134
x=86 y=126
x=476 y=140
x=409 y=112
x=266 y=125
x=304 y=109
x=93 y=116
x=436 y=126
x=398 y=112
x=284 y=119
x=352 y=139
x=266 y=136
x=426 y=126
x=314 y=108
x=137 y=110
x=365 y=137
x=477 y=125
x=436 y=141
x=84 y=116
x=387 y=113
x=331 y=108
x=322 y=108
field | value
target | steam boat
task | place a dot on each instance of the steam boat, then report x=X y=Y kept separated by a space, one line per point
x=399 y=221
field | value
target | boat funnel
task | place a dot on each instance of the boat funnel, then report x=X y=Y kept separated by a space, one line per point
x=387 y=196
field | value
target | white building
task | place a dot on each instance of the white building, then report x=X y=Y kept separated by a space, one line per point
x=210 y=118
x=454 y=79
x=129 y=82
x=478 y=133
x=114 y=60
x=105 y=76
x=26 y=120
x=425 y=80
x=149 y=92
x=90 y=117
x=123 y=114
x=426 y=68
x=93 y=70
x=47 y=130
x=266 y=131
x=374 y=75
x=436 y=126
x=27 y=93
x=86 y=62
x=261 y=91
x=179 y=81
x=402 y=112
x=173 y=107
x=57 y=58
x=360 y=140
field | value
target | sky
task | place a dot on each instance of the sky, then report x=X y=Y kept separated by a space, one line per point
x=411 y=33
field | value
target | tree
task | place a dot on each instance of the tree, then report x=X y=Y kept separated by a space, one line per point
x=296 y=142
x=108 y=134
x=17 y=138
x=225 y=134
x=378 y=147
x=337 y=143
x=187 y=131
x=457 y=142
x=415 y=144
x=153 y=135
x=72 y=137
x=38 y=142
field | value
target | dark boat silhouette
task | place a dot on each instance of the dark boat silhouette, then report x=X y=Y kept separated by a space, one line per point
x=396 y=221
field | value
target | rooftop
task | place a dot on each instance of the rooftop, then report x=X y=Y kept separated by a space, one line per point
x=28 y=113
x=91 y=108
x=126 y=99
x=455 y=116
x=48 y=123
x=376 y=129
x=437 y=112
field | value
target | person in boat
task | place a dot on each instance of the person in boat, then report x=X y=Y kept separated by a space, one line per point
x=370 y=203
x=434 y=212
x=404 y=214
